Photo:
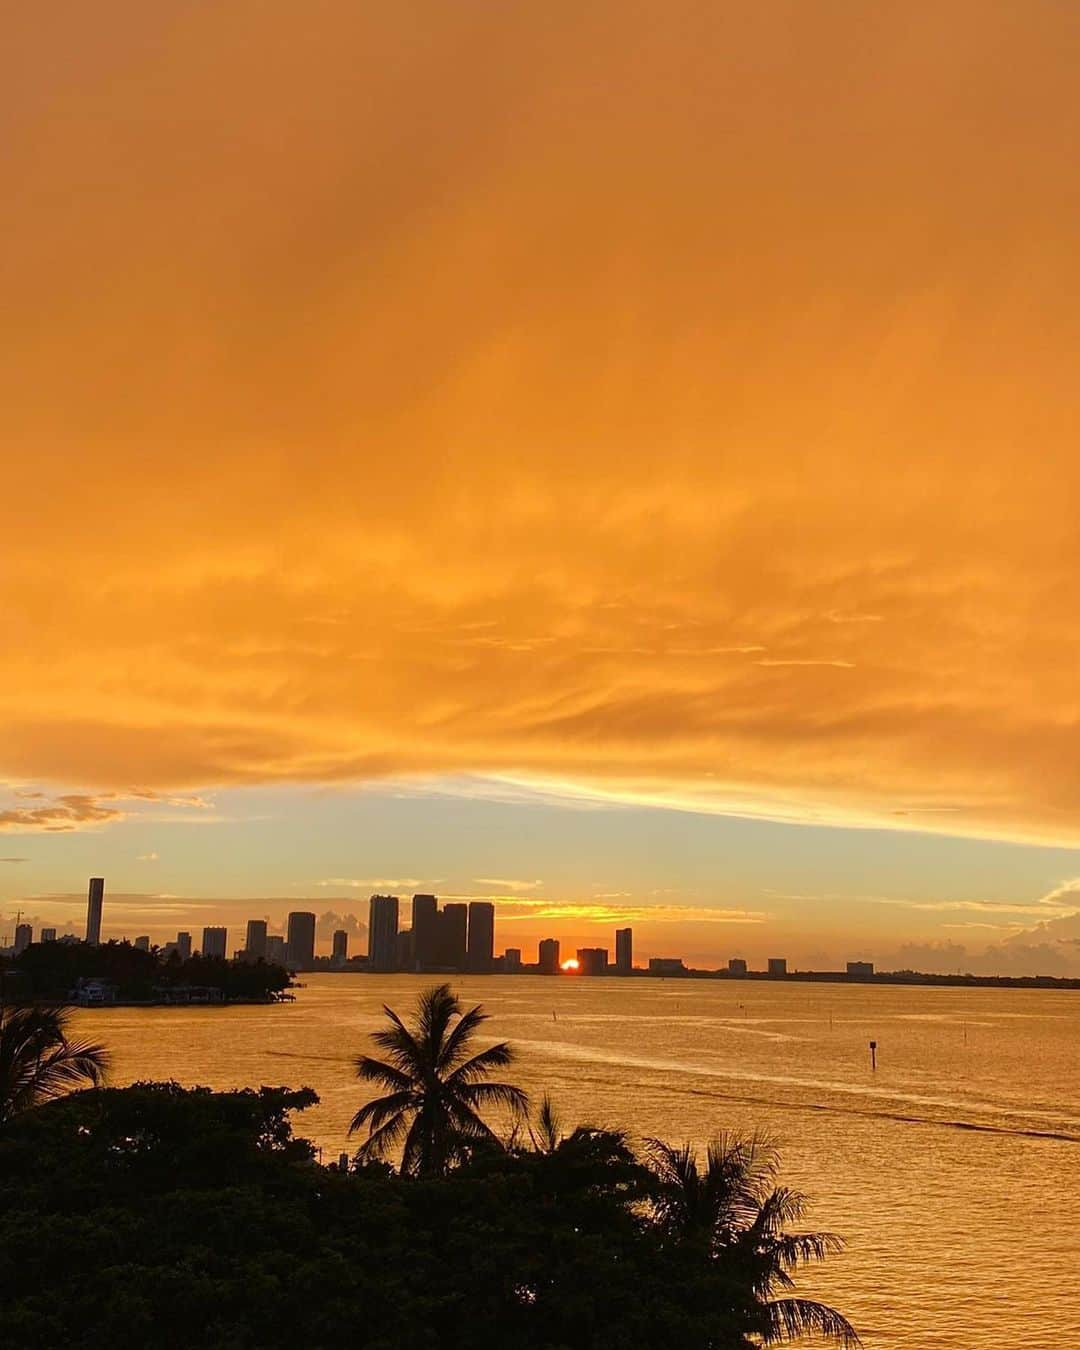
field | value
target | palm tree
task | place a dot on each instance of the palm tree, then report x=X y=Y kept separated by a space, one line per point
x=39 y=1060
x=733 y=1212
x=436 y=1089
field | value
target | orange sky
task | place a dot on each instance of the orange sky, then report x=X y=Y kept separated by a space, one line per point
x=669 y=401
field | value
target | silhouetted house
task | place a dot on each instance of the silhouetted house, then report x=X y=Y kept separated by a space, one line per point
x=548 y=956
x=481 y=946
x=92 y=993
x=666 y=965
x=382 y=932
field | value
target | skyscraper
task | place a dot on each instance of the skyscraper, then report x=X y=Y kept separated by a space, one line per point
x=183 y=946
x=340 y=952
x=548 y=956
x=215 y=941
x=94 y=901
x=300 y=942
x=48 y=935
x=453 y=936
x=624 y=950
x=512 y=960
x=425 y=931
x=382 y=932
x=142 y=943
x=481 y=948
x=24 y=935
x=255 y=940
x=592 y=960
x=275 y=949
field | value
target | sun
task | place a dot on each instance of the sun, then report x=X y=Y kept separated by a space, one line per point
x=569 y=965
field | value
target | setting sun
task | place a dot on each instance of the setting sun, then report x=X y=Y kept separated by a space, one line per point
x=570 y=965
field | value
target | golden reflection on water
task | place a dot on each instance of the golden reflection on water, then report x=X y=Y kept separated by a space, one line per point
x=953 y=1170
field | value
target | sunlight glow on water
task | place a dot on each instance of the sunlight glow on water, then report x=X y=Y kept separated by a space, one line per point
x=962 y=1215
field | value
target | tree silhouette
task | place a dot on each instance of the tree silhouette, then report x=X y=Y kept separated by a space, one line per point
x=40 y=1061
x=732 y=1212
x=436 y=1089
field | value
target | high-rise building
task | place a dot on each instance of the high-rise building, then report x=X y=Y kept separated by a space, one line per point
x=275 y=949
x=666 y=965
x=340 y=952
x=215 y=942
x=94 y=901
x=48 y=935
x=512 y=960
x=453 y=934
x=548 y=956
x=300 y=942
x=480 y=953
x=592 y=960
x=405 y=958
x=382 y=932
x=142 y=943
x=183 y=946
x=24 y=935
x=425 y=931
x=736 y=966
x=624 y=950
x=860 y=969
x=255 y=939
x=777 y=965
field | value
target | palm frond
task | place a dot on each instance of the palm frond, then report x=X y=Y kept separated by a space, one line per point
x=454 y=1045
x=792 y=1318
x=481 y=1064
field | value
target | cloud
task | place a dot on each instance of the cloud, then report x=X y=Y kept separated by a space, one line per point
x=14 y=860
x=508 y=884
x=72 y=811
x=147 y=857
x=376 y=883
x=329 y=923
x=479 y=485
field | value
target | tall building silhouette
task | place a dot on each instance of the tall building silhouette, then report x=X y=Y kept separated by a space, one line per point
x=275 y=949
x=94 y=901
x=183 y=946
x=453 y=936
x=142 y=943
x=300 y=940
x=425 y=931
x=382 y=932
x=255 y=940
x=480 y=954
x=592 y=960
x=512 y=960
x=624 y=950
x=548 y=956
x=777 y=965
x=48 y=935
x=24 y=935
x=340 y=952
x=215 y=941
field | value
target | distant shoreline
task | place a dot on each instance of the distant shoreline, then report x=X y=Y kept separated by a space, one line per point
x=914 y=978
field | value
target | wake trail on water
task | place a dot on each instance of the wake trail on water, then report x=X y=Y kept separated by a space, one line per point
x=902 y=1118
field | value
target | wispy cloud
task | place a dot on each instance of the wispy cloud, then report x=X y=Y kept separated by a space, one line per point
x=73 y=811
x=508 y=883
x=377 y=883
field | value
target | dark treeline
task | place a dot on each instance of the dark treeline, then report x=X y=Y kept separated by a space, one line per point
x=157 y=1216
x=51 y=970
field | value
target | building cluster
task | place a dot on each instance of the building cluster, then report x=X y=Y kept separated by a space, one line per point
x=457 y=937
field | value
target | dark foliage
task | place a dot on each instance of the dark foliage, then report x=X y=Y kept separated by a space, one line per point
x=52 y=970
x=152 y=1216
